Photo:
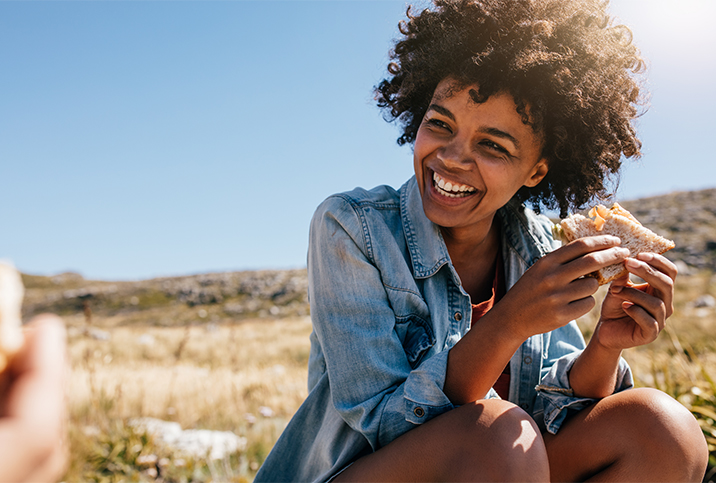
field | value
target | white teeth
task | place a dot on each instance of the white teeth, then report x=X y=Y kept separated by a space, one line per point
x=452 y=190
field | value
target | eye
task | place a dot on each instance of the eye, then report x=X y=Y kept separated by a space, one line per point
x=438 y=124
x=493 y=146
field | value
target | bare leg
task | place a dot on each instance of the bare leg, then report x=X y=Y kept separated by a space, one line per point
x=634 y=435
x=490 y=440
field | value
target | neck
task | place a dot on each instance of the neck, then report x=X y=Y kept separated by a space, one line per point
x=473 y=255
x=479 y=242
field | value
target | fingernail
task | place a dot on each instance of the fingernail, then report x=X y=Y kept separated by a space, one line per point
x=645 y=256
x=617 y=288
x=632 y=263
x=626 y=304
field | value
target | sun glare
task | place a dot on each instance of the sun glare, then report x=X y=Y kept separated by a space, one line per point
x=681 y=25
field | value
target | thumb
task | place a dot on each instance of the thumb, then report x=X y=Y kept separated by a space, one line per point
x=619 y=283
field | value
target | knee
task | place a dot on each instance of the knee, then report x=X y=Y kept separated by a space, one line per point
x=668 y=430
x=506 y=440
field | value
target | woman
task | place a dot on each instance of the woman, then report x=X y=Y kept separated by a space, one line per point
x=444 y=347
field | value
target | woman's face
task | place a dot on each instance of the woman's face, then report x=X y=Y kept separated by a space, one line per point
x=471 y=158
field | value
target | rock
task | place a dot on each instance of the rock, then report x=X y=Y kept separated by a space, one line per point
x=266 y=412
x=147 y=460
x=705 y=301
x=194 y=443
x=234 y=308
x=683 y=268
x=146 y=339
x=98 y=334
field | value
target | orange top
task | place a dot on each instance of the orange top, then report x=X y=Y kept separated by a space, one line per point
x=502 y=385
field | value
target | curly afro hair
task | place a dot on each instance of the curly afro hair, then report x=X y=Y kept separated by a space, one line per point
x=562 y=59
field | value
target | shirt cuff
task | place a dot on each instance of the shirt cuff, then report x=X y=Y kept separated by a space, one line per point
x=424 y=396
x=557 y=396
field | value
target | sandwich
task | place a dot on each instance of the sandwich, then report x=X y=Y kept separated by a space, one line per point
x=11 y=294
x=614 y=221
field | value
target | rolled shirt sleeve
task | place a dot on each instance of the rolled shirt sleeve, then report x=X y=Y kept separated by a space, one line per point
x=554 y=391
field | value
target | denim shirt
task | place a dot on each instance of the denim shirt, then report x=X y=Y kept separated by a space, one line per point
x=387 y=305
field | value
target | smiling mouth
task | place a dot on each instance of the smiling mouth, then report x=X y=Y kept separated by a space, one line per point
x=447 y=188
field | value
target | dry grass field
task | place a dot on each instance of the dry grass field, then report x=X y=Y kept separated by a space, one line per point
x=249 y=377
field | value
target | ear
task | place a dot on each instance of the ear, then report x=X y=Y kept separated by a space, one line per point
x=539 y=171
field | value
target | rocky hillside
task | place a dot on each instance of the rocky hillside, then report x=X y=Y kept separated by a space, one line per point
x=688 y=218
x=211 y=297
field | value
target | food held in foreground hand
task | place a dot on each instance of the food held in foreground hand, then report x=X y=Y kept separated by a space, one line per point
x=614 y=221
x=11 y=294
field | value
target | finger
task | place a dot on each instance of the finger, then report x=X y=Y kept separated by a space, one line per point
x=578 y=308
x=53 y=466
x=593 y=261
x=45 y=345
x=582 y=246
x=661 y=284
x=650 y=328
x=653 y=305
x=36 y=416
x=581 y=288
x=39 y=371
x=659 y=262
x=619 y=283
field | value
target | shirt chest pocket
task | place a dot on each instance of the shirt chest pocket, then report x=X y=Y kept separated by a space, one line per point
x=412 y=325
x=416 y=336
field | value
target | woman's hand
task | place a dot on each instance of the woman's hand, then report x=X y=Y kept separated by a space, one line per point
x=554 y=290
x=549 y=295
x=634 y=315
x=32 y=405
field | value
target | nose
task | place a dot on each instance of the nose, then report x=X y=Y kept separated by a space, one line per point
x=455 y=153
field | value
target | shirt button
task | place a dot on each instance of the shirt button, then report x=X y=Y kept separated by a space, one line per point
x=419 y=412
x=525 y=406
x=458 y=316
x=527 y=360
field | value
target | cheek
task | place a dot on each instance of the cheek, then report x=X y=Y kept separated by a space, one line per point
x=502 y=181
x=495 y=174
x=420 y=150
x=417 y=166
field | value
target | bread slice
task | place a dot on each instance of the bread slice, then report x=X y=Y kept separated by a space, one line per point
x=11 y=294
x=618 y=222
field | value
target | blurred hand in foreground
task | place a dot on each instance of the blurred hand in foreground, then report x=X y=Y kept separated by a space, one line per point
x=32 y=405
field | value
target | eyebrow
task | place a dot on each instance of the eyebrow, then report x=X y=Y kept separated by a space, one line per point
x=488 y=130
x=441 y=110
x=502 y=134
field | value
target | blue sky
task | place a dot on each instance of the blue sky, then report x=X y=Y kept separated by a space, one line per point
x=142 y=139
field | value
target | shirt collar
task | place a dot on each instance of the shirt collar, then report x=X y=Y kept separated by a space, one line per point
x=428 y=252
x=524 y=232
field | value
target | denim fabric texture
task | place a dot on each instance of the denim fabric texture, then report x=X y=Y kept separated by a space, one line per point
x=387 y=305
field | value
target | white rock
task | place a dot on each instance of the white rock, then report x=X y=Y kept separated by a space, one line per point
x=705 y=301
x=196 y=443
x=683 y=268
x=146 y=339
x=98 y=334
